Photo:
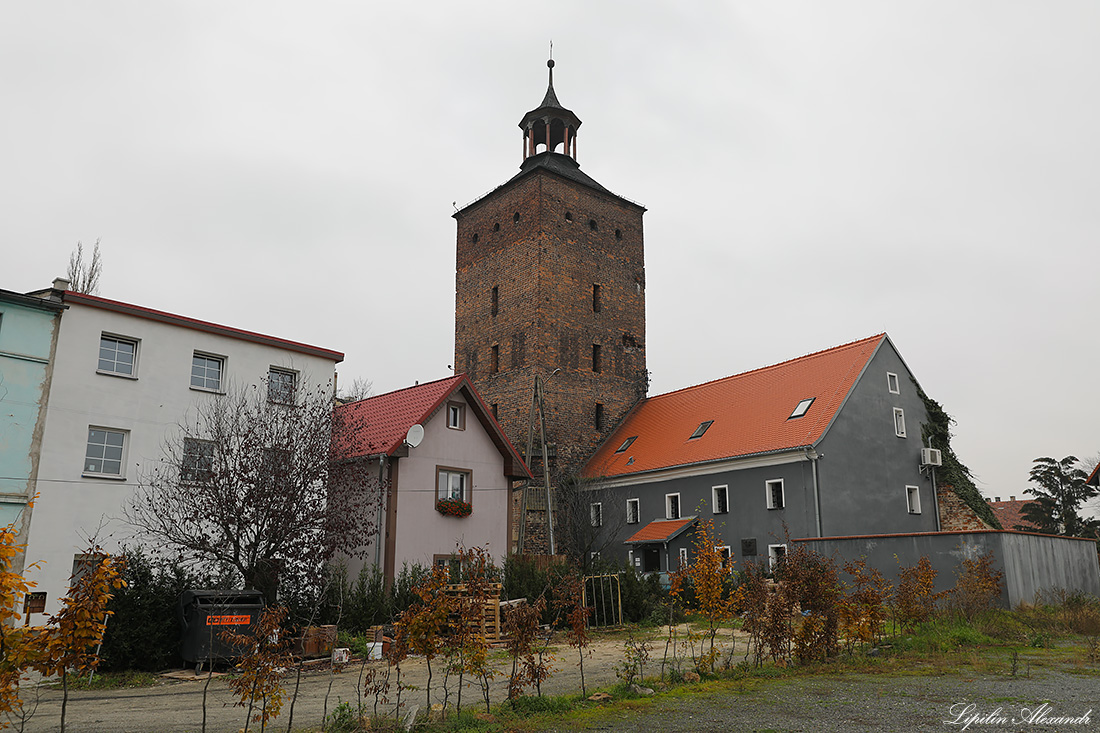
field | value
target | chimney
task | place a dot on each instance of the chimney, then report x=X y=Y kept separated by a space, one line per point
x=988 y=500
x=60 y=283
x=996 y=498
x=1012 y=498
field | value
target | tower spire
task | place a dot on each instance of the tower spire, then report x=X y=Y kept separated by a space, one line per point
x=550 y=124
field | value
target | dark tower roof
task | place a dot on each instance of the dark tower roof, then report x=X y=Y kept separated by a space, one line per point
x=551 y=111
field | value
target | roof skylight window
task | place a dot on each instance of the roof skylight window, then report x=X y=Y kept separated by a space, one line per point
x=626 y=444
x=701 y=429
x=803 y=406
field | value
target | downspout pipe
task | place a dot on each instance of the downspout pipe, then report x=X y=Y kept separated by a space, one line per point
x=813 y=457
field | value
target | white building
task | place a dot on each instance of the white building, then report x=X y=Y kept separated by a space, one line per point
x=124 y=379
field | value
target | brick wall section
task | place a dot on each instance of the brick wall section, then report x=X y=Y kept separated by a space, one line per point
x=544 y=266
x=955 y=514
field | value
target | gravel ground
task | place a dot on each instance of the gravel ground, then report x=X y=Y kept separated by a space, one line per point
x=855 y=703
x=825 y=702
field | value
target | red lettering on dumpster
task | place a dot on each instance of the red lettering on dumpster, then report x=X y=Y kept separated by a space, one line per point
x=228 y=620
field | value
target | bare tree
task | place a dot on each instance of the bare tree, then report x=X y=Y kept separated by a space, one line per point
x=360 y=389
x=250 y=482
x=84 y=276
x=589 y=518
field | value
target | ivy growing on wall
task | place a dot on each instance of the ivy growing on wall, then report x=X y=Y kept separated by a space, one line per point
x=953 y=472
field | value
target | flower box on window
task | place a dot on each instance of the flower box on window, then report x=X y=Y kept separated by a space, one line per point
x=453 y=507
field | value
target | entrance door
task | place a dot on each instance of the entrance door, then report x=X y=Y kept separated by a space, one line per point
x=651 y=559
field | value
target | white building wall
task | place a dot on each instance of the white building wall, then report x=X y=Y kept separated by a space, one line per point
x=74 y=507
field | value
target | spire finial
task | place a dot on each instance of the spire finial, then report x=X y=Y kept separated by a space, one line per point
x=550 y=63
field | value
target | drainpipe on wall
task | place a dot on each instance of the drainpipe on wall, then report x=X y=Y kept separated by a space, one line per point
x=813 y=458
x=384 y=499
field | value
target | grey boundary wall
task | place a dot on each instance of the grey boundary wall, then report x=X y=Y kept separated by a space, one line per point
x=1034 y=565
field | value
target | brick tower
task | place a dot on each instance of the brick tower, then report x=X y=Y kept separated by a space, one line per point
x=550 y=281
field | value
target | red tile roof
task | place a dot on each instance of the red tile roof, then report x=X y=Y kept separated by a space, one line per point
x=1011 y=513
x=750 y=413
x=1094 y=477
x=660 y=530
x=380 y=424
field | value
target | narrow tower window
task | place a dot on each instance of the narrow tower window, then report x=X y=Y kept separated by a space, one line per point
x=494 y=306
x=599 y=416
x=494 y=366
x=596 y=305
x=597 y=366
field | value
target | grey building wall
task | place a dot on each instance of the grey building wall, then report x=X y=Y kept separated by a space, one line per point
x=863 y=469
x=748 y=517
x=864 y=466
x=1032 y=564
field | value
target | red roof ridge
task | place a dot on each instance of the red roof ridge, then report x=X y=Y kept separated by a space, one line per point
x=197 y=323
x=419 y=385
x=822 y=352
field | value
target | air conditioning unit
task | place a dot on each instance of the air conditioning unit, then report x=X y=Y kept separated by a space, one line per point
x=930 y=457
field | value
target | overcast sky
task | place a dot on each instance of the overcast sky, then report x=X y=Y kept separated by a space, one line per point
x=814 y=172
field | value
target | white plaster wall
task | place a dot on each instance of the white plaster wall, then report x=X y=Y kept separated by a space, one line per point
x=71 y=508
x=422 y=532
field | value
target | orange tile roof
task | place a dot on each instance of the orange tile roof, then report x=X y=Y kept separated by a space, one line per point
x=379 y=424
x=1011 y=513
x=660 y=530
x=750 y=413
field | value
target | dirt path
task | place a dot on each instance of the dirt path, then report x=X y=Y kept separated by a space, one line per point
x=842 y=702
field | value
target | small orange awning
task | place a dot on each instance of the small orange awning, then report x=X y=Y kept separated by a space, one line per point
x=660 y=530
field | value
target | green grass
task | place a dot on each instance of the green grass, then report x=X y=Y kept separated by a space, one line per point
x=112 y=681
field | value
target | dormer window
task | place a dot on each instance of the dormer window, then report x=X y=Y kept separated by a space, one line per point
x=626 y=444
x=802 y=407
x=703 y=426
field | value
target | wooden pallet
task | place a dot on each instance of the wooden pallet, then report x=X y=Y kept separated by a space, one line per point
x=488 y=625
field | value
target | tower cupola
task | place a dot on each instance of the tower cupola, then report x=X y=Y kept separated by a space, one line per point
x=550 y=125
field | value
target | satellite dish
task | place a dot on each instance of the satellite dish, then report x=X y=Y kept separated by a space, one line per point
x=414 y=436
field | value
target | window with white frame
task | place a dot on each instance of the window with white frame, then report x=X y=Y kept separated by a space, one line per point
x=725 y=554
x=626 y=444
x=456 y=416
x=773 y=490
x=672 y=506
x=912 y=499
x=594 y=556
x=453 y=483
x=105 y=451
x=206 y=371
x=720 y=499
x=683 y=557
x=282 y=385
x=595 y=514
x=899 y=422
x=776 y=554
x=117 y=355
x=197 y=461
x=633 y=511
x=630 y=558
x=892 y=383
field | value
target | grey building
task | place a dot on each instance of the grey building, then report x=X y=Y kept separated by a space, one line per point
x=828 y=444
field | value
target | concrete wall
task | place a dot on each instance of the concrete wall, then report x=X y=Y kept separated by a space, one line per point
x=149 y=408
x=1032 y=564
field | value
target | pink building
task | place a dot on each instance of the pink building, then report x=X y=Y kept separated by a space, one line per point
x=447 y=471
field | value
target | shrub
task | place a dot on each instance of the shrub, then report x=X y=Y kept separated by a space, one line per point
x=144 y=631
